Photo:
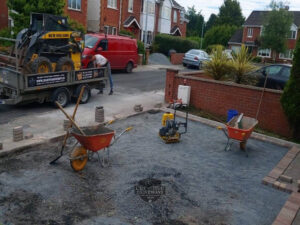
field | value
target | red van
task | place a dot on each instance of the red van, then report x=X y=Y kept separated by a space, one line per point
x=121 y=51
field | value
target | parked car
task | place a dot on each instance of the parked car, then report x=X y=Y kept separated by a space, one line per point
x=195 y=57
x=278 y=75
x=228 y=53
x=121 y=52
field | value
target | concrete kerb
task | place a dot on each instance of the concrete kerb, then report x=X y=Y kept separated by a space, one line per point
x=35 y=143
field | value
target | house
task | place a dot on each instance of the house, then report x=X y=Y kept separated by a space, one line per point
x=144 y=18
x=75 y=9
x=3 y=15
x=251 y=31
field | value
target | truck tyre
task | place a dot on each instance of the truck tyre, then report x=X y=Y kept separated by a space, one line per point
x=62 y=96
x=129 y=67
x=65 y=64
x=86 y=93
x=41 y=65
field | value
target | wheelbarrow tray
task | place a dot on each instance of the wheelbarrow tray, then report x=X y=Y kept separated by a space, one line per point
x=243 y=134
x=96 y=138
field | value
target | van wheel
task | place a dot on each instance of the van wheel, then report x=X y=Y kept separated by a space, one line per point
x=41 y=65
x=129 y=67
x=86 y=93
x=65 y=64
x=62 y=96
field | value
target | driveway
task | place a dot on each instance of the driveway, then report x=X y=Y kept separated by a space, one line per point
x=203 y=184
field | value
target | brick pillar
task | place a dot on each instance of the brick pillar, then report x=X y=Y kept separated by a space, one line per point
x=147 y=55
x=169 y=88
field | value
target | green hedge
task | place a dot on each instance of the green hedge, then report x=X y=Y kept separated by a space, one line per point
x=163 y=43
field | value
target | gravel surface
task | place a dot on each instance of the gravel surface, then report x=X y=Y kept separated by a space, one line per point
x=204 y=184
x=159 y=59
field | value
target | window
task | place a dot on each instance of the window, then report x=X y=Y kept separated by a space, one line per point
x=112 y=4
x=250 y=32
x=130 y=6
x=293 y=34
x=74 y=4
x=110 y=30
x=286 y=72
x=166 y=13
x=175 y=16
x=103 y=44
x=264 y=53
x=287 y=55
x=273 y=71
x=149 y=37
x=151 y=8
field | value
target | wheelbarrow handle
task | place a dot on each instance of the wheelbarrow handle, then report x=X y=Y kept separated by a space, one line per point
x=124 y=131
x=222 y=128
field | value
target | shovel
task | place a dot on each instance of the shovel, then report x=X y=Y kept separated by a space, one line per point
x=67 y=134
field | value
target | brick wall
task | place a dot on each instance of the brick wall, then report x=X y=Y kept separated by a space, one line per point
x=217 y=97
x=109 y=16
x=78 y=15
x=137 y=4
x=3 y=14
x=256 y=34
x=176 y=58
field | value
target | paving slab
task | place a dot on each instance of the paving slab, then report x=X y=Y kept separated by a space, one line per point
x=203 y=183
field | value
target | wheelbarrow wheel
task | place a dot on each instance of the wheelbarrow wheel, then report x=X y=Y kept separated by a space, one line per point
x=81 y=158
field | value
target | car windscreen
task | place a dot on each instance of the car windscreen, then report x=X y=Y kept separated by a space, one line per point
x=193 y=52
x=90 y=41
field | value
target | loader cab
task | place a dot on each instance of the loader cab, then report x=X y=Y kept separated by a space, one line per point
x=40 y=22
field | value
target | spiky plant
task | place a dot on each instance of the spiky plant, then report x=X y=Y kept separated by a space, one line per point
x=241 y=65
x=218 y=67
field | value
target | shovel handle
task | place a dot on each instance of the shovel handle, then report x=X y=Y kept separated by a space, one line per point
x=69 y=117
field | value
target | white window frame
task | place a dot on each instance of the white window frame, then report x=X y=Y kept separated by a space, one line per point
x=175 y=16
x=166 y=13
x=250 y=32
x=290 y=54
x=151 y=8
x=110 y=30
x=291 y=36
x=130 y=6
x=264 y=56
x=112 y=4
x=70 y=5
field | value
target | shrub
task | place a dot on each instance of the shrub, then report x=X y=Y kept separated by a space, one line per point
x=197 y=39
x=76 y=26
x=163 y=43
x=127 y=33
x=241 y=65
x=6 y=32
x=141 y=47
x=211 y=48
x=219 y=35
x=256 y=59
x=218 y=68
x=290 y=98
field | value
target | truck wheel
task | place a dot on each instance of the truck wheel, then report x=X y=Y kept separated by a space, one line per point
x=129 y=67
x=65 y=64
x=86 y=93
x=41 y=65
x=62 y=96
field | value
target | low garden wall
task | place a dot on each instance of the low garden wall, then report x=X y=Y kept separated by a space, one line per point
x=216 y=97
x=176 y=58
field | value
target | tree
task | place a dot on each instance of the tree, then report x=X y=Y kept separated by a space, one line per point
x=211 y=21
x=231 y=13
x=20 y=10
x=194 y=27
x=290 y=99
x=219 y=35
x=276 y=28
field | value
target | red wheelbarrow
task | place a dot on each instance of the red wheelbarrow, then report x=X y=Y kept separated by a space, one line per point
x=239 y=128
x=95 y=139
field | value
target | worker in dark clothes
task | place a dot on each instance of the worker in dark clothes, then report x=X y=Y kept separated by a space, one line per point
x=101 y=61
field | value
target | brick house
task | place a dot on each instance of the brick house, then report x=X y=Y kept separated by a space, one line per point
x=76 y=9
x=251 y=31
x=144 y=18
x=3 y=15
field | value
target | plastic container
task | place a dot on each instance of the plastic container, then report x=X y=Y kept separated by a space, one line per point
x=167 y=116
x=231 y=113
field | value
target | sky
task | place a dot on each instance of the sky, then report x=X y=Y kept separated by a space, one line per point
x=208 y=7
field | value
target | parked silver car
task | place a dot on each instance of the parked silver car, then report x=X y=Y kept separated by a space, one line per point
x=195 y=57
